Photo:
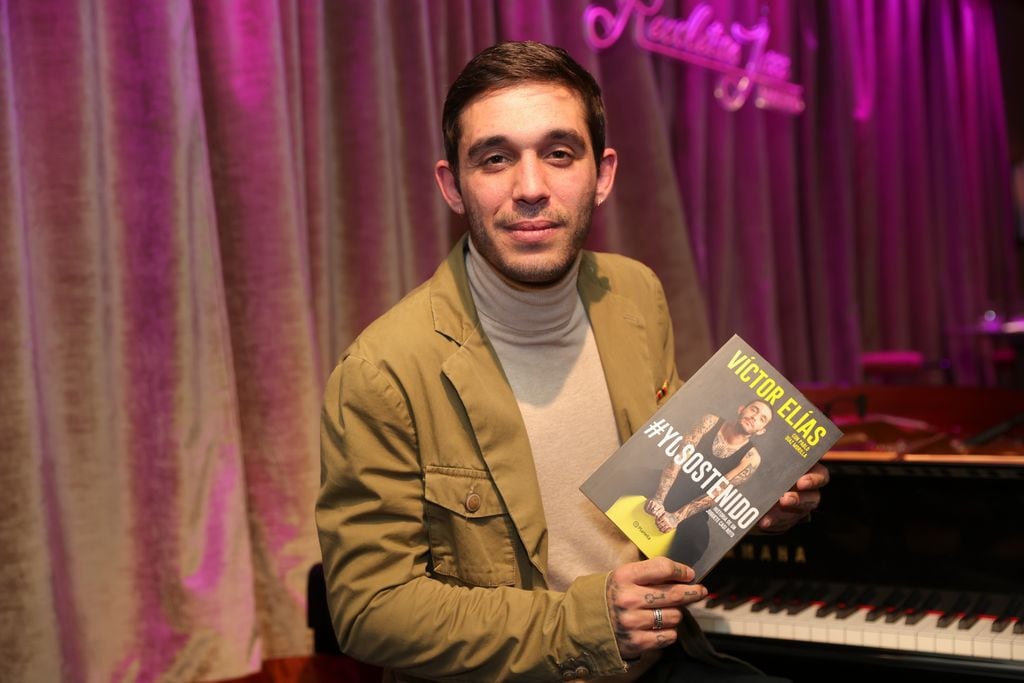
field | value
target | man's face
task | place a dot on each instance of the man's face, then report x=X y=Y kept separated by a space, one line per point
x=528 y=182
x=754 y=418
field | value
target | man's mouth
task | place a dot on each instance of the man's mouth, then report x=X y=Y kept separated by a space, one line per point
x=531 y=231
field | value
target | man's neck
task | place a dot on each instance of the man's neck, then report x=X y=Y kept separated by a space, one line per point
x=516 y=310
x=733 y=435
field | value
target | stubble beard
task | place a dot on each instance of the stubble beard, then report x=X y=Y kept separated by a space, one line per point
x=533 y=273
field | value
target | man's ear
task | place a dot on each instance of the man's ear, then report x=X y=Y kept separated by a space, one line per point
x=449 y=187
x=606 y=174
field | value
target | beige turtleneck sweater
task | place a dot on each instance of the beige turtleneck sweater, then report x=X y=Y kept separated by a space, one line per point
x=546 y=347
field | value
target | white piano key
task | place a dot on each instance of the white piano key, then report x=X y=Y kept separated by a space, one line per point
x=749 y=622
x=933 y=638
x=835 y=630
x=926 y=631
x=907 y=636
x=963 y=639
x=784 y=625
x=741 y=625
x=1017 y=651
x=878 y=633
x=804 y=624
x=853 y=626
x=819 y=625
x=767 y=624
x=871 y=633
x=1002 y=644
x=991 y=644
x=711 y=620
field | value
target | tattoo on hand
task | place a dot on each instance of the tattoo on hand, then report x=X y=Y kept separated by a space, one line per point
x=649 y=598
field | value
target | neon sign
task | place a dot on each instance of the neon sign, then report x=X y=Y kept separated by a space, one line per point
x=738 y=53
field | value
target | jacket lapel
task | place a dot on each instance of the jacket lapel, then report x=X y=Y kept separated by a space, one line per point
x=621 y=335
x=477 y=377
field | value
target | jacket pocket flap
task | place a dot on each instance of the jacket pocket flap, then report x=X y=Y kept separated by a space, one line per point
x=468 y=493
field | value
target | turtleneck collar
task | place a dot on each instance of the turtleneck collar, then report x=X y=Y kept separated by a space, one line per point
x=521 y=311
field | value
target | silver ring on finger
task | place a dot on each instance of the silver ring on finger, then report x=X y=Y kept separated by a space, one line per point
x=659 y=619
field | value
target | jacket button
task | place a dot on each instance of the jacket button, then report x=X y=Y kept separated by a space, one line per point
x=582 y=672
x=473 y=502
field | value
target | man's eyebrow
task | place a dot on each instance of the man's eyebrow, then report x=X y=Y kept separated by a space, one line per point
x=568 y=135
x=480 y=145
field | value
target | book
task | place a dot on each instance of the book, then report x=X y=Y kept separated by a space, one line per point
x=716 y=456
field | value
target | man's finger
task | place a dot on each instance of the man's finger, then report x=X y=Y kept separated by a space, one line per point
x=660 y=570
x=815 y=478
x=800 y=502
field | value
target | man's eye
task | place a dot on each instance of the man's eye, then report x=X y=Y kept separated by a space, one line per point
x=561 y=154
x=494 y=160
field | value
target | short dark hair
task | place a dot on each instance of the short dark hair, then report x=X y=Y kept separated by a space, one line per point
x=511 y=63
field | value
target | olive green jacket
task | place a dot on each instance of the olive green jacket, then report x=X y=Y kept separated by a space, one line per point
x=429 y=513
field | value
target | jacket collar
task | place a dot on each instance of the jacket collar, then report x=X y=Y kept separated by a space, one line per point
x=477 y=377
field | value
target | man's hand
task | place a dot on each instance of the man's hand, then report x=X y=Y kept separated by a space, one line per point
x=641 y=592
x=796 y=503
x=654 y=507
x=667 y=521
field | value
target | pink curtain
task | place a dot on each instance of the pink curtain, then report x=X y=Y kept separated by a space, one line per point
x=202 y=203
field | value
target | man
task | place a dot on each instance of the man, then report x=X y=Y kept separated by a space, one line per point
x=457 y=428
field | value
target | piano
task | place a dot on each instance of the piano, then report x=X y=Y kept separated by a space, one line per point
x=913 y=566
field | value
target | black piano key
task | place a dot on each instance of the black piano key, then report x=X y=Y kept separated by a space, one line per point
x=768 y=598
x=967 y=622
x=782 y=599
x=928 y=604
x=961 y=604
x=735 y=600
x=842 y=600
x=886 y=605
x=738 y=593
x=1004 y=618
x=720 y=595
x=744 y=593
x=999 y=625
x=905 y=607
x=802 y=600
x=894 y=604
x=973 y=613
x=864 y=598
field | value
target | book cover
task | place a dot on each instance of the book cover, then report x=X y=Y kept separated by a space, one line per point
x=712 y=460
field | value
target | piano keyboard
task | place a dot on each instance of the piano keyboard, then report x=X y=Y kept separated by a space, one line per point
x=934 y=622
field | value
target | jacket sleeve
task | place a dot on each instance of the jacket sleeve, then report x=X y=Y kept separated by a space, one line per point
x=385 y=607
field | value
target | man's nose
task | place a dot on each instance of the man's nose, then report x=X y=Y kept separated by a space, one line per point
x=530 y=181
